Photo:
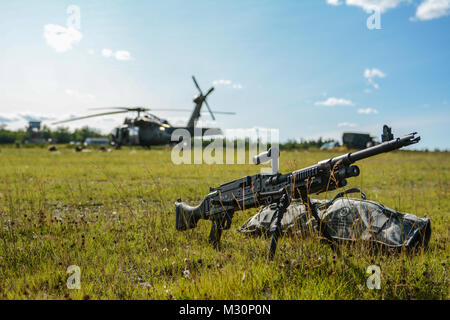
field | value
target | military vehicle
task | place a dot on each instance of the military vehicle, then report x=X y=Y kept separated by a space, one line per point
x=148 y=129
x=96 y=142
x=358 y=141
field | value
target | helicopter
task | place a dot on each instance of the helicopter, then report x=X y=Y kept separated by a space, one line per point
x=149 y=130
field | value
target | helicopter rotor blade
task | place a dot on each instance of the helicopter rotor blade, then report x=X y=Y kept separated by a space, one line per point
x=209 y=91
x=196 y=84
x=131 y=109
x=144 y=109
x=109 y=108
x=224 y=112
x=190 y=110
x=172 y=110
x=90 y=116
x=209 y=109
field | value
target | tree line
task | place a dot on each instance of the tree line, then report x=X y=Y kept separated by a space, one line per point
x=290 y=144
x=65 y=135
x=58 y=135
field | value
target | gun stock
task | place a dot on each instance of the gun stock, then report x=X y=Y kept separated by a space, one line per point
x=187 y=216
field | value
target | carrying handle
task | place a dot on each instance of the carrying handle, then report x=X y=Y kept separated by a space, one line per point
x=343 y=193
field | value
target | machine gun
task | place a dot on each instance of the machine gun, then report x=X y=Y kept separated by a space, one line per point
x=263 y=189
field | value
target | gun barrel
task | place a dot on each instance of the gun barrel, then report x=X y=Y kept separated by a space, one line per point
x=384 y=147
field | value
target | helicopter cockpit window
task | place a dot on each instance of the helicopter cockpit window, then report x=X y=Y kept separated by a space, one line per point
x=133 y=135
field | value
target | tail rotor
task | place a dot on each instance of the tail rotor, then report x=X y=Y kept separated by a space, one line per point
x=202 y=98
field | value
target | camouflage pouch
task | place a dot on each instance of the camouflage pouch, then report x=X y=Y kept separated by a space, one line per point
x=296 y=219
x=348 y=220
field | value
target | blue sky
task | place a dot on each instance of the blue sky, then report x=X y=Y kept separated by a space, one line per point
x=308 y=68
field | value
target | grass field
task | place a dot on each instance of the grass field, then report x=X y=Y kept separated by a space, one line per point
x=112 y=214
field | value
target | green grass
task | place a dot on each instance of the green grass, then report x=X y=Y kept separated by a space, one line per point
x=113 y=215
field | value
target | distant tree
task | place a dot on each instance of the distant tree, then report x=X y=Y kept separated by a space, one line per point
x=21 y=135
x=46 y=133
x=6 y=136
x=304 y=144
x=85 y=132
x=61 y=135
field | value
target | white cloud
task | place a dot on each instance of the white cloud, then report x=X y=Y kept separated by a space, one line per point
x=427 y=10
x=91 y=51
x=347 y=124
x=20 y=119
x=79 y=95
x=331 y=102
x=227 y=83
x=367 y=111
x=334 y=2
x=122 y=55
x=370 y=74
x=107 y=53
x=5 y=118
x=33 y=116
x=222 y=82
x=69 y=92
x=432 y=9
x=60 y=38
x=370 y=5
x=373 y=73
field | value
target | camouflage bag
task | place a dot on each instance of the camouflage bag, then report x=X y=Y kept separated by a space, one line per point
x=347 y=220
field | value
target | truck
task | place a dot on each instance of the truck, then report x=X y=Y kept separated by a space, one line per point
x=358 y=141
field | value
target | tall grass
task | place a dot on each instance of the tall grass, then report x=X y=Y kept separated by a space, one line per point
x=112 y=214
